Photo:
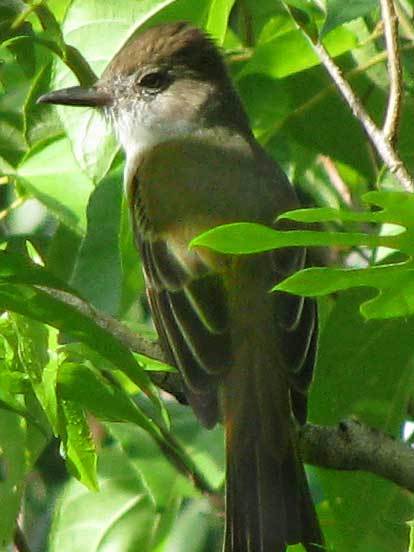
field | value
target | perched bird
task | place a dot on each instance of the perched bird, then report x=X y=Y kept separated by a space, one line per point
x=246 y=355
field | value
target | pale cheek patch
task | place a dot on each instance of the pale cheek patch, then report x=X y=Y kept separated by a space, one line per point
x=140 y=132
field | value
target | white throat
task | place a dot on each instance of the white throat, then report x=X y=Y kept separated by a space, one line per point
x=139 y=134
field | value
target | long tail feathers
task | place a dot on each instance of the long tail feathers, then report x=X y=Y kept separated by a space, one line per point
x=268 y=506
x=268 y=502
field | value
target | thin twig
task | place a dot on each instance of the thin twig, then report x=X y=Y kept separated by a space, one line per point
x=322 y=94
x=335 y=179
x=24 y=14
x=168 y=381
x=382 y=145
x=121 y=332
x=392 y=117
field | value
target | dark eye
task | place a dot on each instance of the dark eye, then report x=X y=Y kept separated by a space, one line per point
x=154 y=80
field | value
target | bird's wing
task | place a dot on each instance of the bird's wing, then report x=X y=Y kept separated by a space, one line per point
x=297 y=320
x=190 y=314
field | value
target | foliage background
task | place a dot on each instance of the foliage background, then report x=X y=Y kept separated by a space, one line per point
x=70 y=392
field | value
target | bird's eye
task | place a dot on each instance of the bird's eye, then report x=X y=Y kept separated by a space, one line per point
x=154 y=80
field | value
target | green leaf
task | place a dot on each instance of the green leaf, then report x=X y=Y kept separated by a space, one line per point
x=10 y=12
x=52 y=30
x=191 y=530
x=22 y=436
x=339 y=12
x=97 y=274
x=59 y=8
x=13 y=381
x=19 y=269
x=217 y=20
x=411 y=526
x=295 y=548
x=53 y=177
x=303 y=13
x=132 y=276
x=12 y=471
x=122 y=516
x=12 y=143
x=106 y=401
x=206 y=447
x=40 y=120
x=161 y=477
x=64 y=239
x=167 y=485
x=246 y=238
x=37 y=347
x=364 y=369
x=290 y=53
x=80 y=453
x=39 y=305
x=396 y=208
x=395 y=282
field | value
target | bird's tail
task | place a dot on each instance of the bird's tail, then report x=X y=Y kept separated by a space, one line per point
x=268 y=502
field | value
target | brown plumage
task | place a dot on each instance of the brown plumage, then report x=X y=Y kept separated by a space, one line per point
x=246 y=355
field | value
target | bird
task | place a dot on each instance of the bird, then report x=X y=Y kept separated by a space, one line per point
x=246 y=355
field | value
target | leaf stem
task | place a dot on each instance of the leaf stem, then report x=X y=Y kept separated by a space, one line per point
x=23 y=15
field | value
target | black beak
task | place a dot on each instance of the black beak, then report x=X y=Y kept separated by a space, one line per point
x=76 y=95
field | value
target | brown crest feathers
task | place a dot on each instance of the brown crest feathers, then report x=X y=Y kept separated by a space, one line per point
x=170 y=45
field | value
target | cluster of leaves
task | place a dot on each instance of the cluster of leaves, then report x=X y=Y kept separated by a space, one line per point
x=58 y=367
x=393 y=280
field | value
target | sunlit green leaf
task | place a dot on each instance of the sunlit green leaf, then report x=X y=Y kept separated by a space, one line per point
x=411 y=526
x=218 y=18
x=290 y=53
x=37 y=347
x=79 y=448
x=53 y=177
x=394 y=282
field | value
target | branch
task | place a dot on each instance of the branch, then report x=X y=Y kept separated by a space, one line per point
x=353 y=446
x=348 y=446
x=376 y=135
x=392 y=116
x=383 y=146
x=168 y=381
x=127 y=337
